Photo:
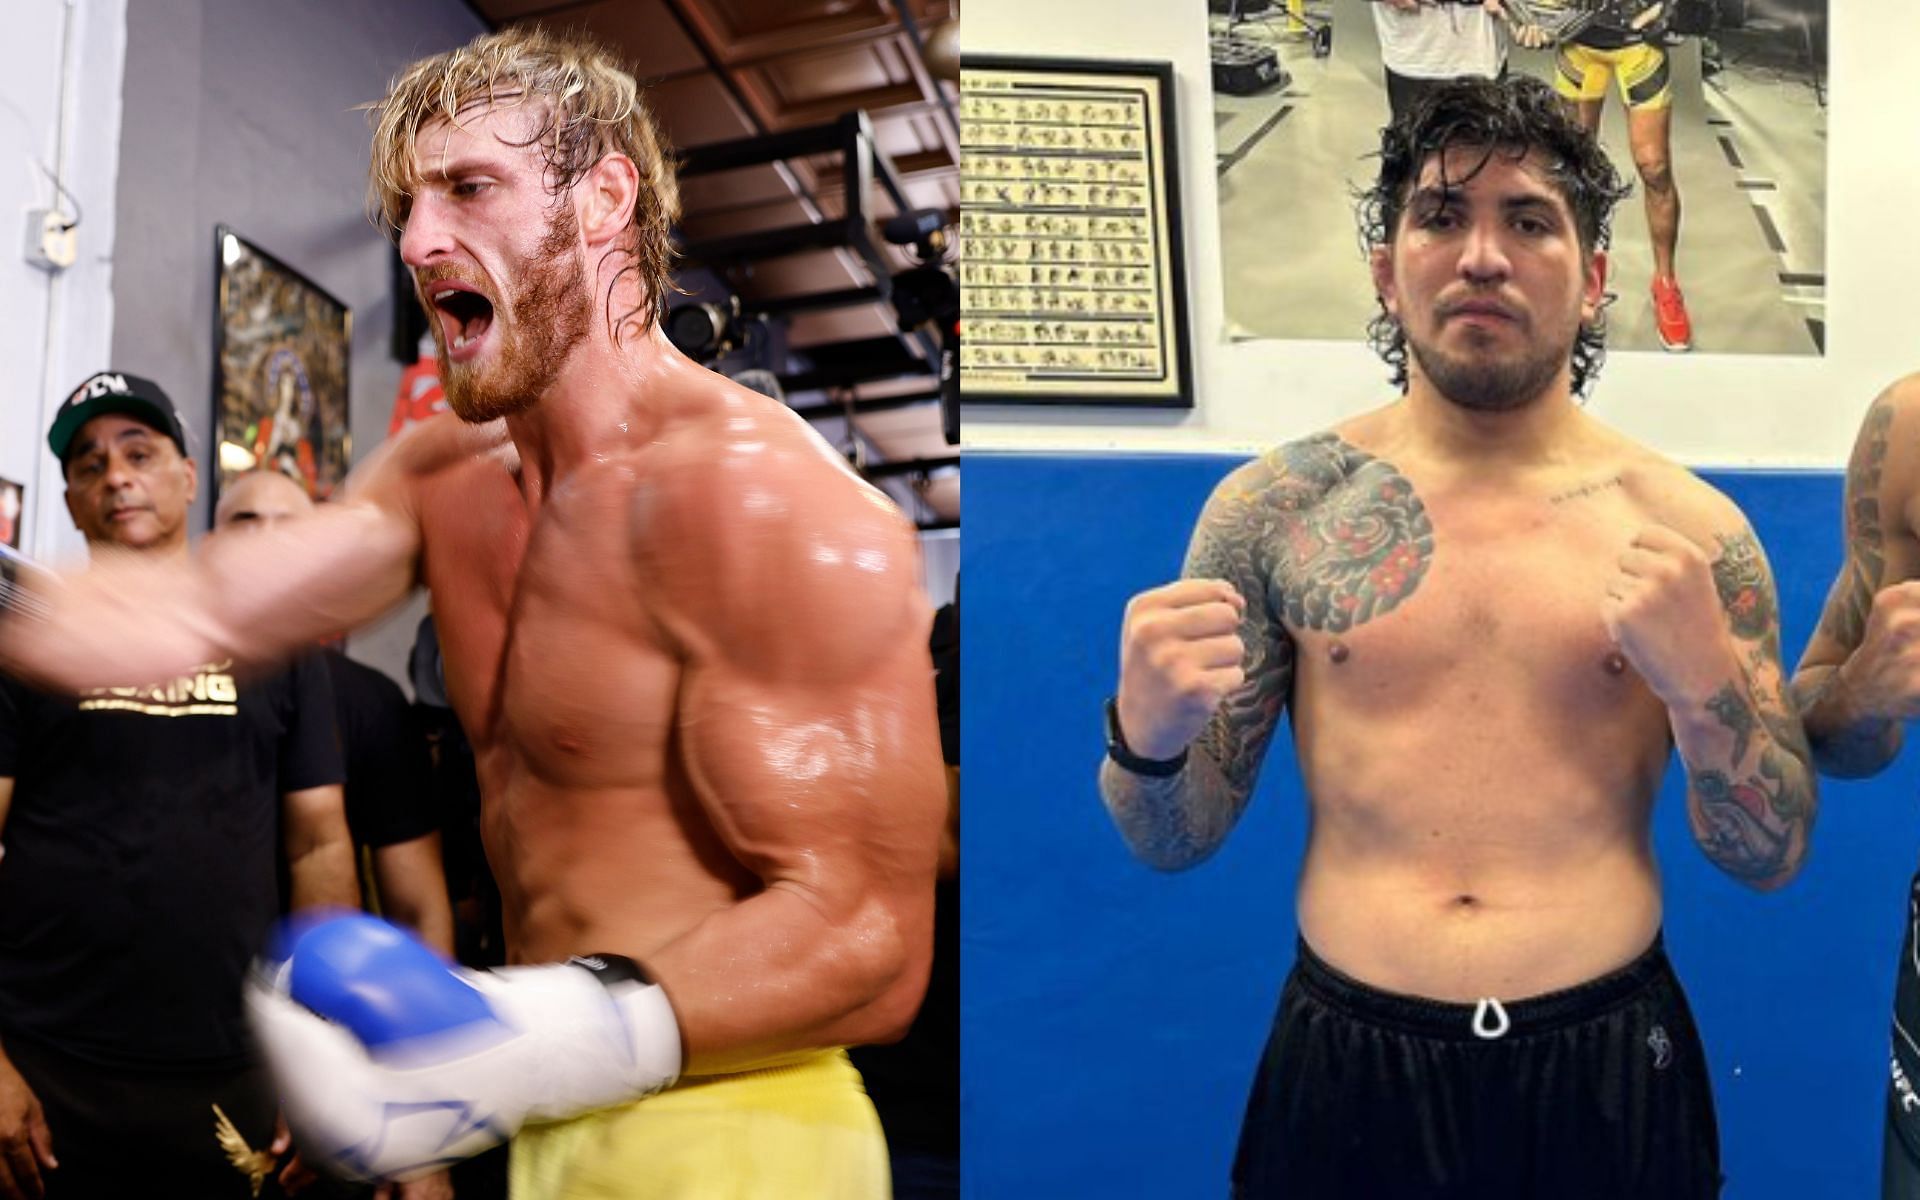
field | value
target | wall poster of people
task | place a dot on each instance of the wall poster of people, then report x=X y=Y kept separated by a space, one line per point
x=280 y=371
x=1715 y=111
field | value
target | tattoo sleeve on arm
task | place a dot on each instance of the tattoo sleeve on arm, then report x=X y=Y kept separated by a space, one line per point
x=1752 y=811
x=1858 y=747
x=1319 y=533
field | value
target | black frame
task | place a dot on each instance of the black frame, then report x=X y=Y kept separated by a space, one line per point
x=978 y=260
x=330 y=452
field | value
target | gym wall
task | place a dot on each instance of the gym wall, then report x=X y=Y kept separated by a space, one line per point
x=1704 y=409
x=244 y=112
x=59 y=115
x=1112 y=1015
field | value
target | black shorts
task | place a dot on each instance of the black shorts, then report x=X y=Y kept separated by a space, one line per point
x=1900 y=1157
x=1598 y=1092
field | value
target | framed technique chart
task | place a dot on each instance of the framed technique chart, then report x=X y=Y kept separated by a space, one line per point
x=1072 y=283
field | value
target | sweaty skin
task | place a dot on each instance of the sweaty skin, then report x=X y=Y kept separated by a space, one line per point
x=1453 y=600
x=693 y=670
x=687 y=644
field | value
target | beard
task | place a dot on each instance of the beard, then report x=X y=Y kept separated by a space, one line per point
x=539 y=322
x=1485 y=384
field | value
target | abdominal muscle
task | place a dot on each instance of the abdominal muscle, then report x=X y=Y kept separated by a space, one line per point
x=1503 y=874
x=604 y=870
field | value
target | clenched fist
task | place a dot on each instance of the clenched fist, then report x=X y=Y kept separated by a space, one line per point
x=1663 y=611
x=1180 y=655
x=1882 y=675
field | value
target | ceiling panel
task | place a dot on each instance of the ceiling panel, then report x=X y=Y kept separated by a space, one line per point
x=697 y=109
x=647 y=33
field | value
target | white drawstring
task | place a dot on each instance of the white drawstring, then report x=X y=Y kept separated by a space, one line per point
x=1481 y=1028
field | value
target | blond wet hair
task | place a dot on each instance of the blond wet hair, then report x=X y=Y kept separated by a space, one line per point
x=588 y=106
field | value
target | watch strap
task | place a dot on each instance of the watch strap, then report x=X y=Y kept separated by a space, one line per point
x=1123 y=755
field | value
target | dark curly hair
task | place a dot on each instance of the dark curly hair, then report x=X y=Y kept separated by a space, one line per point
x=1511 y=116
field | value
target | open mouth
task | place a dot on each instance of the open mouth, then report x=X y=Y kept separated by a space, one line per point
x=465 y=317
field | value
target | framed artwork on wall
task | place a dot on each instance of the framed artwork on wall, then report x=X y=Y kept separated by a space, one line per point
x=1072 y=282
x=279 y=371
x=13 y=505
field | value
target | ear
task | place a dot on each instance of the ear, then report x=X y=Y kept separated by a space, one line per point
x=606 y=196
x=72 y=512
x=1380 y=263
x=193 y=477
x=1593 y=289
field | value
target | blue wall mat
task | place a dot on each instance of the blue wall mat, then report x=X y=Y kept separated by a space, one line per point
x=1112 y=1014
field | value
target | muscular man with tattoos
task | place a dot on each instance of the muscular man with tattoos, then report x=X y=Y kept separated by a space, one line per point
x=1492 y=617
x=1860 y=679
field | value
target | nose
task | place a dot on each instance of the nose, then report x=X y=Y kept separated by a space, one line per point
x=1483 y=252
x=426 y=238
x=118 y=474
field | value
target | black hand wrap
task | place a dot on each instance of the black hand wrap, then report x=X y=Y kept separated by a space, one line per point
x=610 y=969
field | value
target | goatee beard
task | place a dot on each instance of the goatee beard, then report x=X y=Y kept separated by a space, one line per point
x=1497 y=386
x=549 y=309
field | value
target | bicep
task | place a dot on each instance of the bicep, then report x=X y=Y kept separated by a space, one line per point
x=1878 y=476
x=824 y=787
x=1233 y=541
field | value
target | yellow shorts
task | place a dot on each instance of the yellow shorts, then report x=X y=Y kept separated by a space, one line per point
x=800 y=1132
x=1581 y=73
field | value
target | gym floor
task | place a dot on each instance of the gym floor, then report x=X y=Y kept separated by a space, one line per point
x=1749 y=149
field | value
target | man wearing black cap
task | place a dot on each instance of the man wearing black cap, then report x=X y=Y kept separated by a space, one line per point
x=140 y=827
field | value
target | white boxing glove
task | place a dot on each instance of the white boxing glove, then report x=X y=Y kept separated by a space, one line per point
x=390 y=1064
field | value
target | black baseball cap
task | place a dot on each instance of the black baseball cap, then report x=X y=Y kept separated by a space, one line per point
x=115 y=392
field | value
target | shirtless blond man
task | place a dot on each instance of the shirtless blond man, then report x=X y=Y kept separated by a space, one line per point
x=689 y=648
x=1492 y=617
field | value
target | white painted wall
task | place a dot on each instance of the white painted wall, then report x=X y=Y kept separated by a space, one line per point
x=60 y=113
x=1706 y=410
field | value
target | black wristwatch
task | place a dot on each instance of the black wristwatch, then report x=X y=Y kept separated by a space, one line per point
x=1117 y=750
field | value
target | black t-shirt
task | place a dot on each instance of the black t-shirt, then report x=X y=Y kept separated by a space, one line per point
x=141 y=849
x=389 y=777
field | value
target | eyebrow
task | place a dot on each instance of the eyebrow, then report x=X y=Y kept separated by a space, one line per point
x=1436 y=195
x=139 y=433
x=467 y=164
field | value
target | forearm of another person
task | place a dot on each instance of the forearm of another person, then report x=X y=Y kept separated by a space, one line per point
x=319 y=850
x=253 y=596
x=413 y=890
x=1859 y=678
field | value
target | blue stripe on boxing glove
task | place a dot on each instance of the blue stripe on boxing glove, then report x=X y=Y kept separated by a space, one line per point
x=379 y=982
